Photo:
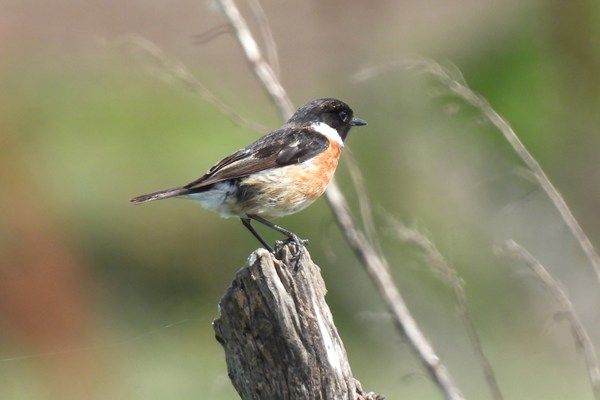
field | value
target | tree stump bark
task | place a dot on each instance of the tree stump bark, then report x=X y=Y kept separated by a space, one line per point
x=278 y=333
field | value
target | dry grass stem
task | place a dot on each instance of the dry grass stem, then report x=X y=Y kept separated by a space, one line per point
x=267 y=35
x=212 y=34
x=364 y=202
x=378 y=269
x=582 y=339
x=436 y=261
x=251 y=50
x=453 y=80
x=176 y=71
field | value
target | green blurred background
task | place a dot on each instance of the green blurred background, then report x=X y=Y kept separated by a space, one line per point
x=103 y=300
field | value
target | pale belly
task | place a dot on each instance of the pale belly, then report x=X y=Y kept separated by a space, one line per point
x=274 y=192
x=270 y=193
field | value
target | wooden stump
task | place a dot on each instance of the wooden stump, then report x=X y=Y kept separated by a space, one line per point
x=278 y=333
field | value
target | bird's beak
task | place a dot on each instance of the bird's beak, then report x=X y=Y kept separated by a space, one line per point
x=358 y=121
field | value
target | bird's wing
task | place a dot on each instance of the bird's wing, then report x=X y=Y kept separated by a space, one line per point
x=282 y=147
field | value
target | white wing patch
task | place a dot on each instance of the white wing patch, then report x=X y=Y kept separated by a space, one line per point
x=328 y=132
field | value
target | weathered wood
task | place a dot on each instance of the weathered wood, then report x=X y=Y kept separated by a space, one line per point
x=278 y=333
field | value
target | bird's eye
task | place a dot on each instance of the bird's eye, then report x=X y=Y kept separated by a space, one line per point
x=344 y=115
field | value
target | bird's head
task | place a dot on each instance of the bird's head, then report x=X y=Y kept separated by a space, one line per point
x=325 y=115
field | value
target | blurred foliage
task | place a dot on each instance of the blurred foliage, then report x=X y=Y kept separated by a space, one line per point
x=102 y=299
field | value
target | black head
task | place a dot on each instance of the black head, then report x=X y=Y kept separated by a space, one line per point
x=333 y=112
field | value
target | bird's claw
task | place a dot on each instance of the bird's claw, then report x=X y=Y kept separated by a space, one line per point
x=300 y=246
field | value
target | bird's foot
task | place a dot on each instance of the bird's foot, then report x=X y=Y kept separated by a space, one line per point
x=300 y=248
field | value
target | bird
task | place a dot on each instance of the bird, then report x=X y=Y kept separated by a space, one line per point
x=281 y=173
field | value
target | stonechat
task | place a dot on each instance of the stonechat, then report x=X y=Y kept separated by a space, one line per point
x=281 y=173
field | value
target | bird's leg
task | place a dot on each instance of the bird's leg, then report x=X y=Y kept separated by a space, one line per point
x=292 y=237
x=247 y=223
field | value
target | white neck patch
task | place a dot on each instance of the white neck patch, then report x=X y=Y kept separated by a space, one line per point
x=328 y=132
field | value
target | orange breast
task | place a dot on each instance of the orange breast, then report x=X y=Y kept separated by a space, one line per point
x=287 y=190
x=319 y=171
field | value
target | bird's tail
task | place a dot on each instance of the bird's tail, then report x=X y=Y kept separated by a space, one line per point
x=162 y=194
